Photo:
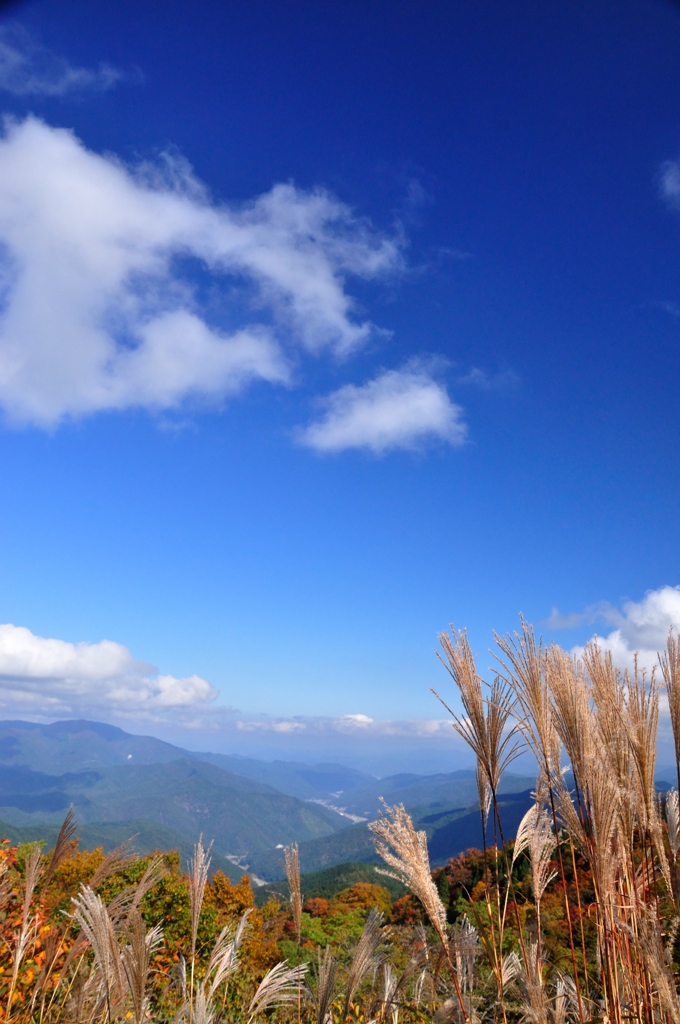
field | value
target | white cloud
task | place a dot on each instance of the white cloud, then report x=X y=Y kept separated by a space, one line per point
x=97 y=308
x=642 y=627
x=56 y=678
x=29 y=69
x=397 y=409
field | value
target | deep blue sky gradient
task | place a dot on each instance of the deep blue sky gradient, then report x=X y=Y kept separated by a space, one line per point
x=519 y=146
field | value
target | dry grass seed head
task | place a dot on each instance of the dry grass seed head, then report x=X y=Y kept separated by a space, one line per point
x=529 y=980
x=648 y=940
x=115 y=860
x=524 y=672
x=198 y=878
x=369 y=954
x=484 y=794
x=278 y=987
x=405 y=851
x=92 y=915
x=389 y=1001
x=673 y=820
x=29 y=922
x=669 y=661
x=572 y=713
x=136 y=958
x=464 y=945
x=224 y=959
x=131 y=897
x=66 y=843
x=291 y=859
x=608 y=692
x=327 y=973
x=484 y=725
x=536 y=834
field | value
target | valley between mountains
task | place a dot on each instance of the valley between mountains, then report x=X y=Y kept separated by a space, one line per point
x=122 y=785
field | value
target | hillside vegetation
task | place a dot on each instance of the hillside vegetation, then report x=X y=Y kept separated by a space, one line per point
x=243 y=817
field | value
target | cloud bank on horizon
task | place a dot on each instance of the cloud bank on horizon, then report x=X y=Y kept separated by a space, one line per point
x=50 y=678
x=54 y=678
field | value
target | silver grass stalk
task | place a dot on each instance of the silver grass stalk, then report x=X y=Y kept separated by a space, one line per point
x=199 y=1005
x=649 y=942
x=529 y=979
x=673 y=819
x=136 y=958
x=484 y=794
x=524 y=672
x=608 y=692
x=641 y=720
x=278 y=987
x=484 y=725
x=572 y=713
x=369 y=954
x=198 y=878
x=131 y=897
x=405 y=851
x=465 y=946
x=535 y=834
x=670 y=668
x=389 y=1001
x=5 y=884
x=291 y=858
x=29 y=922
x=564 y=999
x=201 y=1012
x=92 y=915
x=113 y=861
x=394 y=985
x=65 y=844
x=510 y=968
x=327 y=969
x=224 y=958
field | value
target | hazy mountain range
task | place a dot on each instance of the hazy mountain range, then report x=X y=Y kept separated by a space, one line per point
x=120 y=785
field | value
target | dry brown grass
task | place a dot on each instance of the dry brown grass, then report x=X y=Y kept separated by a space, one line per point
x=604 y=723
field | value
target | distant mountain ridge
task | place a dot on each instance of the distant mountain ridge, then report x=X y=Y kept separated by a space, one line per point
x=250 y=808
x=79 y=745
x=242 y=816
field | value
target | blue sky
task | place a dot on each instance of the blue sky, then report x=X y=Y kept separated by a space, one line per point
x=325 y=327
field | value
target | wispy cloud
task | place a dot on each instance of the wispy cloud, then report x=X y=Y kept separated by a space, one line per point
x=397 y=409
x=601 y=611
x=672 y=308
x=29 y=69
x=669 y=181
x=556 y=620
x=55 y=678
x=490 y=381
x=97 y=314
